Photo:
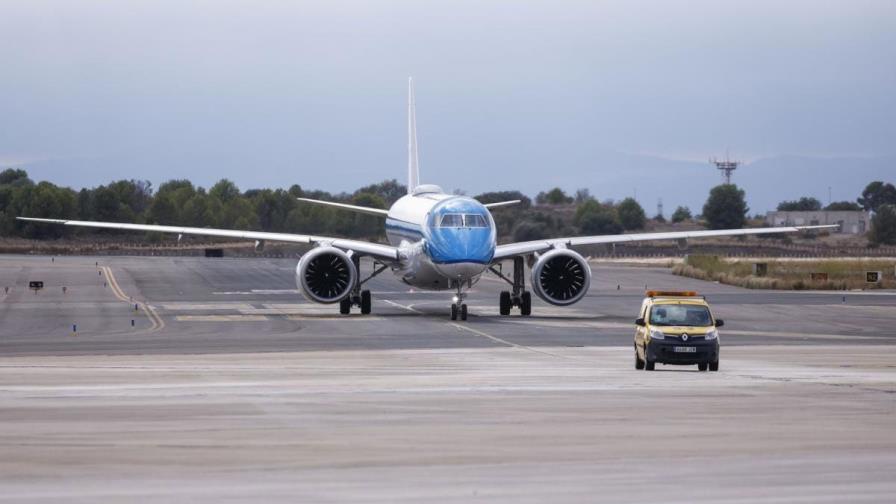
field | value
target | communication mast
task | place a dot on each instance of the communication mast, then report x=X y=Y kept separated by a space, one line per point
x=727 y=167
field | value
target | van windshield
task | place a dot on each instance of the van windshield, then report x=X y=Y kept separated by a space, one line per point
x=680 y=315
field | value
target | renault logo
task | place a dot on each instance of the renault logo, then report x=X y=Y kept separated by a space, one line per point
x=684 y=337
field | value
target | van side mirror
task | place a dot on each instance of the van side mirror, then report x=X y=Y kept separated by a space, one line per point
x=719 y=322
x=640 y=322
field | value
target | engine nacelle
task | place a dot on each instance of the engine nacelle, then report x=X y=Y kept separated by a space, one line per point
x=561 y=277
x=326 y=275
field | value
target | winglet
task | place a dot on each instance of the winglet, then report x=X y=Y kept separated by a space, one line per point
x=354 y=208
x=413 y=158
x=501 y=203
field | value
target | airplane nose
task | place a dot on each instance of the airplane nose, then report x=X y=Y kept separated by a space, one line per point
x=462 y=270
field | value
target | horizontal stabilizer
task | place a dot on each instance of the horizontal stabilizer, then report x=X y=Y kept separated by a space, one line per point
x=354 y=208
x=501 y=203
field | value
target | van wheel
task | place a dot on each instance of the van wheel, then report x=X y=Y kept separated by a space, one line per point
x=714 y=366
x=702 y=366
x=639 y=364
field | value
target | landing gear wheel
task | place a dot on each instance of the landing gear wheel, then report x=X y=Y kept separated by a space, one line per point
x=345 y=306
x=714 y=366
x=702 y=366
x=454 y=312
x=526 y=304
x=365 y=302
x=504 y=303
x=463 y=311
x=639 y=364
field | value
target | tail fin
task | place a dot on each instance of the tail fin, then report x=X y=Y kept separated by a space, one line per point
x=413 y=159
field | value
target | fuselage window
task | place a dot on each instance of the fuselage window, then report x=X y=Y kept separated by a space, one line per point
x=474 y=221
x=452 y=221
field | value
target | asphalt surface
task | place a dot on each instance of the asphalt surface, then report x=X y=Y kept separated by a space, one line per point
x=229 y=387
x=197 y=305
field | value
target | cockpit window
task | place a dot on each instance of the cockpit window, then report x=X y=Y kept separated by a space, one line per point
x=463 y=220
x=452 y=221
x=474 y=221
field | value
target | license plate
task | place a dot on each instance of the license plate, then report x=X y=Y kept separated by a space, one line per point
x=685 y=349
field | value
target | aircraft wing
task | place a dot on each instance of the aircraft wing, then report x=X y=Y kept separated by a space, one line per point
x=385 y=252
x=522 y=248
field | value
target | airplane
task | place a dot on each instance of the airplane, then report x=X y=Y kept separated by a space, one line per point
x=437 y=241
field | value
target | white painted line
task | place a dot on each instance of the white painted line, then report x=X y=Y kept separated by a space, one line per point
x=221 y=318
x=397 y=305
x=205 y=306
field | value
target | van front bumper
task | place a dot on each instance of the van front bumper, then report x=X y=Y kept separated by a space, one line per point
x=664 y=351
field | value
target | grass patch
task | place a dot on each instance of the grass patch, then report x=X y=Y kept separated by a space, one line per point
x=842 y=274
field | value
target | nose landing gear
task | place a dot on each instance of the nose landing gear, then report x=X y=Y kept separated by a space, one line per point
x=458 y=307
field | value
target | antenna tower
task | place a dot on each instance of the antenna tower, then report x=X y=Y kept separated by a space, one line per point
x=727 y=167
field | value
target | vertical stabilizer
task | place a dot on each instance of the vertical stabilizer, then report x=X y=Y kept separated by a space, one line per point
x=413 y=159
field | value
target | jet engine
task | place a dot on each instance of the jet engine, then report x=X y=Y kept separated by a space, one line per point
x=326 y=275
x=561 y=277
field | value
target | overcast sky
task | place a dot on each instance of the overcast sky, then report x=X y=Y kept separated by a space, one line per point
x=510 y=94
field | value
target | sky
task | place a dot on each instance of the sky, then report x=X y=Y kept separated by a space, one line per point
x=621 y=97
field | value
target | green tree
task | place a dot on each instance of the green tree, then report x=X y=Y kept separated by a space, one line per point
x=224 y=191
x=388 y=190
x=883 y=225
x=631 y=215
x=843 y=205
x=593 y=218
x=726 y=207
x=806 y=203
x=681 y=214
x=876 y=194
x=530 y=230
x=555 y=196
x=12 y=176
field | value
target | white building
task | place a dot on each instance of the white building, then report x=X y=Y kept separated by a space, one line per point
x=850 y=221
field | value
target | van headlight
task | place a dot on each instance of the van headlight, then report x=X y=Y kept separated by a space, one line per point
x=656 y=334
x=712 y=334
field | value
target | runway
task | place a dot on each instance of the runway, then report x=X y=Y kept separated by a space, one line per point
x=230 y=387
x=194 y=305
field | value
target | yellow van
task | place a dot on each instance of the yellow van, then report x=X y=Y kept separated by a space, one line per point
x=676 y=327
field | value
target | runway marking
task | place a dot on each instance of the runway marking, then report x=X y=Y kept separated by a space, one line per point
x=347 y=318
x=201 y=306
x=403 y=307
x=799 y=335
x=256 y=291
x=157 y=323
x=221 y=318
x=511 y=344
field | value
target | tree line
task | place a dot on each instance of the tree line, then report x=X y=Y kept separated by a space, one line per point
x=181 y=203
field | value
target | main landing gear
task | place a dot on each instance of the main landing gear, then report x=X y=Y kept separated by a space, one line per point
x=358 y=297
x=519 y=297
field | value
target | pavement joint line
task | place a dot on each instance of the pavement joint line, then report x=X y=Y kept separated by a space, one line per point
x=157 y=323
x=510 y=343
